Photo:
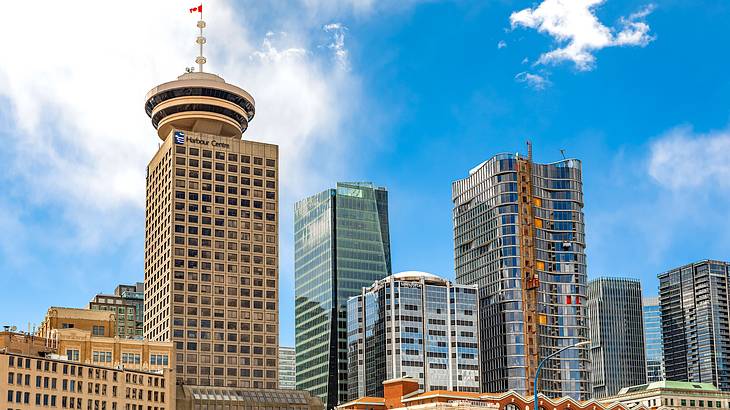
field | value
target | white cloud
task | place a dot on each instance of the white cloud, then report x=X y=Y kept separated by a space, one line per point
x=73 y=89
x=535 y=81
x=501 y=44
x=578 y=32
x=682 y=159
x=337 y=45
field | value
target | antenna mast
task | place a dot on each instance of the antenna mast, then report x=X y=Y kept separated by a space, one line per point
x=200 y=60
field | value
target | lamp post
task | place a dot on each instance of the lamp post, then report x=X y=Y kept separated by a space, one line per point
x=539 y=367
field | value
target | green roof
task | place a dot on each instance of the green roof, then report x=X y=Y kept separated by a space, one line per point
x=670 y=384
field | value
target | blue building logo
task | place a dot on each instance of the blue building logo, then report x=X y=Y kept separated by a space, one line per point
x=179 y=137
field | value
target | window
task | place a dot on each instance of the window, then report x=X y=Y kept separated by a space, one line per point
x=97 y=330
x=102 y=357
x=72 y=355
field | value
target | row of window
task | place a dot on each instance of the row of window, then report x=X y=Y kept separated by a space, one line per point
x=232 y=157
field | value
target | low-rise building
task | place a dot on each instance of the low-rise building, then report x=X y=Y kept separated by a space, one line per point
x=231 y=398
x=127 y=303
x=404 y=394
x=99 y=323
x=672 y=395
x=33 y=375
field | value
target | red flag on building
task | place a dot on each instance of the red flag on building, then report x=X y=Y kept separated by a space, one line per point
x=199 y=9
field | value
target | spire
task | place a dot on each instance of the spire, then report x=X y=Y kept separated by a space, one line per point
x=200 y=60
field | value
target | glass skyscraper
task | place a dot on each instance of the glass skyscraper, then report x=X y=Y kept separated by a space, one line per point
x=519 y=235
x=694 y=301
x=617 y=341
x=653 y=339
x=342 y=244
x=413 y=324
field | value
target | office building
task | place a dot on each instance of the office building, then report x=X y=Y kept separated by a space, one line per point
x=616 y=330
x=653 y=344
x=33 y=375
x=287 y=368
x=413 y=324
x=211 y=234
x=98 y=323
x=519 y=234
x=127 y=303
x=670 y=395
x=695 y=330
x=341 y=245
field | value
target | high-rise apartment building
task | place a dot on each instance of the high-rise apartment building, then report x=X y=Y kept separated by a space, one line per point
x=127 y=303
x=211 y=242
x=653 y=344
x=413 y=324
x=695 y=312
x=616 y=330
x=287 y=368
x=342 y=244
x=519 y=235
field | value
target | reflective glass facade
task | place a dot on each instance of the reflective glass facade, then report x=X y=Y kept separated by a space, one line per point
x=694 y=302
x=492 y=235
x=341 y=245
x=617 y=342
x=653 y=340
x=413 y=324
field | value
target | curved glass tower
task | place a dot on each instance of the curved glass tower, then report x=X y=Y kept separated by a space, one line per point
x=519 y=234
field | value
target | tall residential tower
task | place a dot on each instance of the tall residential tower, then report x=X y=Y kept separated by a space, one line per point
x=211 y=240
x=342 y=244
x=617 y=341
x=653 y=344
x=695 y=312
x=519 y=235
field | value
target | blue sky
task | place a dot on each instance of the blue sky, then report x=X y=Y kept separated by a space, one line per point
x=409 y=95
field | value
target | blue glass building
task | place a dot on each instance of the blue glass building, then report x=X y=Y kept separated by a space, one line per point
x=342 y=244
x=653 y=343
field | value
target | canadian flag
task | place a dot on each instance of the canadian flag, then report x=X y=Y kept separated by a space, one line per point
x=199 y=9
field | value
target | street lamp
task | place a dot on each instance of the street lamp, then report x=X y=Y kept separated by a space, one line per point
x=537 y=373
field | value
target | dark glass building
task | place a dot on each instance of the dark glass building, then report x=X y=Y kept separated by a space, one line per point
x=653 y=344
x=694 y=301
x=342 y=244
x=616 y=329
x=519 y=235
x=413 y=324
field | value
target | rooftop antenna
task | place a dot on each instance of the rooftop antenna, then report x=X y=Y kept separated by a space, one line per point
x=200 y=60
x=562 y=152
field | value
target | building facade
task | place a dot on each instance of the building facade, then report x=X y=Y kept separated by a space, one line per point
x=671 y=395
x=616 y=330
x=653 y=344
x=287 y=368
x=98 y=323
x=342 y=244
x=127 y=303
x=695 y=330
x=413 y=324
x=211 y=239
x=34 y=376
x=519 y=235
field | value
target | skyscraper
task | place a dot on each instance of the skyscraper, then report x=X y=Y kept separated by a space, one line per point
x=616 y=329
x=653 y=344
x=287 y=368
x=694 y=301
x=519 y=235
x=211 y=239
x=413 y=324
x=342 y=244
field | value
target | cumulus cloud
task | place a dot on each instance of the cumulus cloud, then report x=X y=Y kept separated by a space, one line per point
x=535 y=81
x=578 y=32
x=682 y=159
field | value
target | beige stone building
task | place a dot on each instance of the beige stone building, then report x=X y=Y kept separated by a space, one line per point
x=98 y=323
x=671 y=395
x=33 y=376
x=211 y=240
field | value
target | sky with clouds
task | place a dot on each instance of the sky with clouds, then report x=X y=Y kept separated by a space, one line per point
x=409 y=94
